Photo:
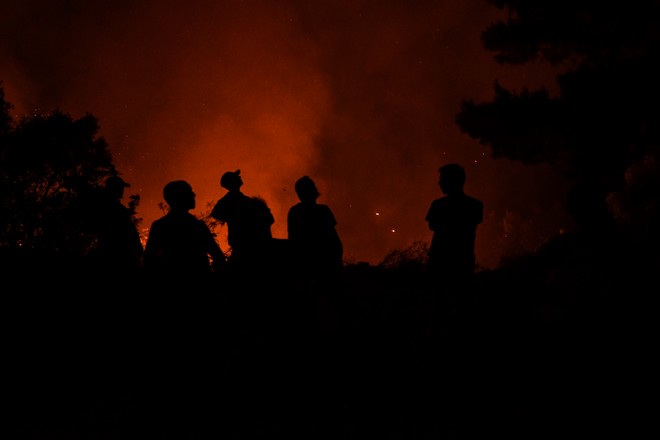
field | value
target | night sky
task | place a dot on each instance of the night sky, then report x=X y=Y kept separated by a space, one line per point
x=359 y=95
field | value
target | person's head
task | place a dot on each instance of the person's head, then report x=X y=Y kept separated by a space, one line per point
x=306 y=189
x=231 y=180
x=179 y=195
x=452 y=178
x=115 y=186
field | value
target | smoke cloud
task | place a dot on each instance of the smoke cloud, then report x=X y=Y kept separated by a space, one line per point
x=359 y=95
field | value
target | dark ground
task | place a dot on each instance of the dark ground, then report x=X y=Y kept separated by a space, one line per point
x=378 y=357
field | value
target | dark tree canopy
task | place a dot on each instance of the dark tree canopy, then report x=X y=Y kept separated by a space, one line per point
x=605 y=120
x=580 y=31
x=5 y=117
x=52 y=164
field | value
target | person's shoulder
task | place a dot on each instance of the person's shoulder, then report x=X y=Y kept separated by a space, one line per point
x=118 y=207
x=231 y=197
x=297 y=207
x=226 y=204
x=440 y=201
x=200 y=223
x=158 y=222
x=324 y=208
x=475 y=201
x=191 y=218
x=242 y=201
x=224 y=199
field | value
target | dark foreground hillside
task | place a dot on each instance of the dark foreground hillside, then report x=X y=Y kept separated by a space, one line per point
x=535 y=350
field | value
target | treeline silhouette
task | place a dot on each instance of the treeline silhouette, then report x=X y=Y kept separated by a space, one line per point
x=274 y=346
x=104 y=339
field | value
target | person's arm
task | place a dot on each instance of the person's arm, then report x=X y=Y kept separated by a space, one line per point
x=292 y=224
x=153 y=248
x=478 y=211
x=432 y=217
x=338 y=247
x=219 y=212
x=214 y=250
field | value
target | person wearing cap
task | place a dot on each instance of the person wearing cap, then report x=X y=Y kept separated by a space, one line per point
x=248 y=221
x=115 y=185
x=117 y=246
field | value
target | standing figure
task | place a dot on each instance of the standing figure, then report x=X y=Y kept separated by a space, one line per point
x=248 y=221
x=180 y=243
x=453 y=219
x=117 y=248
x=315 y=243
x=317 y=255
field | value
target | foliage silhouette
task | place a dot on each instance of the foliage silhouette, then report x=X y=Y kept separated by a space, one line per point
x=412 y=258
x=52 y=165
x=603 y=122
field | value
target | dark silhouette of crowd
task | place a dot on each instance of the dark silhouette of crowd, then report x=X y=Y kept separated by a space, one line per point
x=279 y=336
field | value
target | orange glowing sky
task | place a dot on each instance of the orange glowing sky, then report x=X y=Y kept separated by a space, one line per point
x=359 y=95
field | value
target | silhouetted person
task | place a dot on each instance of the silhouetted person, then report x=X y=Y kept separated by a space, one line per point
x=118 y=247
x=317 y=252
x=453 y=218
x=248 y=221
x=315 y=243
x=180 y=243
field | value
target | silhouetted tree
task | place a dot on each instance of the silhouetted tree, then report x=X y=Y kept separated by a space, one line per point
x=602 y=131
x=51 y=163
x=5 y=117
x=414 y=256
x=604 y=118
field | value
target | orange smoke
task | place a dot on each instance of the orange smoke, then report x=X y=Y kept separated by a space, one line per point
x=361 y=96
